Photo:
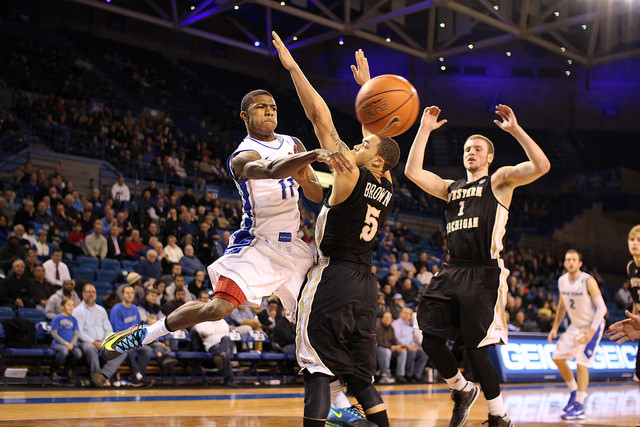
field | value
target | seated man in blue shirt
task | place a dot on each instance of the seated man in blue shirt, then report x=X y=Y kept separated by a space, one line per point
x=190 y=264
x=123 y=316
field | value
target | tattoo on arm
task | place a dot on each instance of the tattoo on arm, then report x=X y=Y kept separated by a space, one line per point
x=342 y=147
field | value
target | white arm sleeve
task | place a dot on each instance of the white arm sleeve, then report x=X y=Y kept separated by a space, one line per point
x=601 y=310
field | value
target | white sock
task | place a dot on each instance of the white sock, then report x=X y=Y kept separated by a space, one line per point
x=338 y=397
x=573 y=385
x=458 y=382
x=138 y=376
x=581 y=396
x=496 y=406
x=154 y=331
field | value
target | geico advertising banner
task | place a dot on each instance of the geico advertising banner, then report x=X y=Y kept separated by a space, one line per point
x=528 y=357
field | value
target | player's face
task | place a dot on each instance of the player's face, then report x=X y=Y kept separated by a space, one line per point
x=572 y=262
x=476 y=155
x=261 y=117
x=366 y=151
x=634 y=245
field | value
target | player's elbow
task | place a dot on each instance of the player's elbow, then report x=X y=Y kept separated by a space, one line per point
x=411 y=172
x=544 y=167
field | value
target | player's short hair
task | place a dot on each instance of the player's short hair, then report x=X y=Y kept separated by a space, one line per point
x=574 y=251
x=246 y=100
x=634 y=230
x=490 y=147
x=389 y=150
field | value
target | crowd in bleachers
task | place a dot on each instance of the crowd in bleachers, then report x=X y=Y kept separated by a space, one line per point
x=149 y=250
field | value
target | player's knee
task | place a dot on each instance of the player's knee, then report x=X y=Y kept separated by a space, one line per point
x=216 y=309
x=369 y=398
x=431 y=343
x=480 y=354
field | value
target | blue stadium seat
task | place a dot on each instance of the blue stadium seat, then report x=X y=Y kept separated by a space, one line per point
x=87 y=261
x=32 y=314
x=6 y=313
x=83 y=272
x=102 y=288
x=107 y=275
x=129 y=265
x=110 y=264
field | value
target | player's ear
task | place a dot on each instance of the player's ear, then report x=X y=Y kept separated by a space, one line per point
x=244 y=116
x=490 y=158
x=378 y=162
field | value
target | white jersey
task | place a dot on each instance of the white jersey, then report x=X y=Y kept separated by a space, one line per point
x=577 y=299
x=270 y=206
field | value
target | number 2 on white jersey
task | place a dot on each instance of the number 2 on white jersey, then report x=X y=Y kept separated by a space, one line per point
x=371 y=224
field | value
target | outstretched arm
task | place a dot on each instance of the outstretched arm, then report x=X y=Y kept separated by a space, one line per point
x=307 y=178
x=314 y=106
x=525 y=172
x=428 y=181
x=249 y=164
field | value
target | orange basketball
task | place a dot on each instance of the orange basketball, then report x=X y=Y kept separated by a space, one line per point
x=387 y=105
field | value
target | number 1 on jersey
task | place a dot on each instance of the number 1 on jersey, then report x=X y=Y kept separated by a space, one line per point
x=371 y=220
x=461 y=211
x=284 y=187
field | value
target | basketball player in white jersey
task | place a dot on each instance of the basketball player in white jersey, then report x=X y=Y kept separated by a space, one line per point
x=265 y=256
x=580 y=298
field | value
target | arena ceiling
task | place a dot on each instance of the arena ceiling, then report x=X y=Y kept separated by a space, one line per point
x=590 y=32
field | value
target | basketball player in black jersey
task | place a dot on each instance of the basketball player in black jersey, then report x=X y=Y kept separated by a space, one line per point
x=629 y=329
x=469 y=294
x=335 y=333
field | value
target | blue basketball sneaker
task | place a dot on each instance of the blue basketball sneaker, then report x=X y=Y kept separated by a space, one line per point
x=572 y=400
x=117 y=343
x=576 y=412
x=347 y=417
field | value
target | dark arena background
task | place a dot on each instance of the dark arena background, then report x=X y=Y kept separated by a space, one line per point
x=149 y=91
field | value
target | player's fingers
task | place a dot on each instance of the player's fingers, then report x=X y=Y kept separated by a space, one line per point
x=622 y=340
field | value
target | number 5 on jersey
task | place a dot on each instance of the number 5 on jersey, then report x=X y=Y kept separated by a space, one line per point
x=371 y=220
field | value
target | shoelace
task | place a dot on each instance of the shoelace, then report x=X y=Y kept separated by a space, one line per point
x=354 y=411
x=131 y=341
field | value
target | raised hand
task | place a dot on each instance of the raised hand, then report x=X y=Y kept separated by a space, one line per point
x=429 y=119
x=361 y=70
x=509 y=122
x=336 y=161
x=625 y=330
x=283 y=53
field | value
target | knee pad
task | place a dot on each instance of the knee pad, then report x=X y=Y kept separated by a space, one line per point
x=432 y=342
x=317 y=395
x=367 y=395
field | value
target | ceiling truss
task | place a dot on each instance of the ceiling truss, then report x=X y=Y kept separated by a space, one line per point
x=590 y=32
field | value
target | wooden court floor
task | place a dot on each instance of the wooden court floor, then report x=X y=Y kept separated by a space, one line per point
x=608 y=404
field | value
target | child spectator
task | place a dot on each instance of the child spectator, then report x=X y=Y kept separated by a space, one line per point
x=64 y=330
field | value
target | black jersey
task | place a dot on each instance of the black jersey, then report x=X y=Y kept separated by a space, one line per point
x=634 y=281
x=476 y=221
x=347 y=231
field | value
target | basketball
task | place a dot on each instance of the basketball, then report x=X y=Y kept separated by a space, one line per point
x=387 y=105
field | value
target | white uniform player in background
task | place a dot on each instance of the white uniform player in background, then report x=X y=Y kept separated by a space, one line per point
x=265 y=256
x=580 y=297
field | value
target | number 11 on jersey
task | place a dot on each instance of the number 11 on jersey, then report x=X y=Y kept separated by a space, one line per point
x=283 y=184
